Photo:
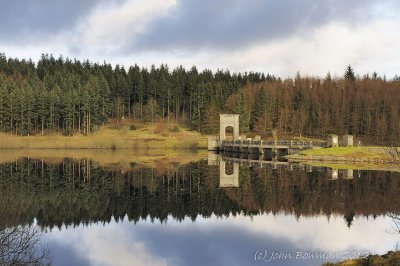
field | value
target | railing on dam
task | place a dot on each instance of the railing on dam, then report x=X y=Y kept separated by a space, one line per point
x=272 y=143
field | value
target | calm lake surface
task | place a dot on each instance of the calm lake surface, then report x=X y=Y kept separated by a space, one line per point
x=217 y=211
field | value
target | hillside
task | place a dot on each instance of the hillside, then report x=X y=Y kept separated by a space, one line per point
x=123 y=135
x=78 y=97
x=366 y=108
x=390 y=258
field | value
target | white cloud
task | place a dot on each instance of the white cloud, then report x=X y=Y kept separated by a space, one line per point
x=100 y=35
x=370 y=46
x=373 y=47
x=110 y=26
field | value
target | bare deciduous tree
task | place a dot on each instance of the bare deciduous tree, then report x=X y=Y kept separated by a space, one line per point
x=393 y=152
x=395 y=222
x=20 y=246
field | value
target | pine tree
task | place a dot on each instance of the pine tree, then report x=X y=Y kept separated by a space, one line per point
x=349 y=74
x=3 y=103
x=151 y=110
x=104 y=100
x=262 y=122
x=259 y=106
x=42 y=107
x=242 y=109
x=54 y=111
x=211 y=118
x=328 y=77
x=68 y=110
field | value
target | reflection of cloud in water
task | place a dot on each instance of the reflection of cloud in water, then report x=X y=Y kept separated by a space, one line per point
x=112 y=244
x=62 y=253
x=216 y=241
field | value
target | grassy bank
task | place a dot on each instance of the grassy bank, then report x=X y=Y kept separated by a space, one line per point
x=356 y=166
x=124 y=135
x=122 y=159
x=360 y=158
x=390 y=258
x=344 y=154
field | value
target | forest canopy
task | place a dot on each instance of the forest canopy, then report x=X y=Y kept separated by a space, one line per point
x=70 y=96
x=366 y=107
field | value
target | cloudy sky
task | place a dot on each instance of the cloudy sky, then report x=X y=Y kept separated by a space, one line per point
x=275 y=36
x=220 y=241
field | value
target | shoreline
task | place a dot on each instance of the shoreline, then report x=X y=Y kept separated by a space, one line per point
x=356 y=158
x=389 y=258
x=348 y=165
x=101 y=142
x=194 y=149
x=332 y=159
x=113 y=137
x=371 y=154
x=122 y=159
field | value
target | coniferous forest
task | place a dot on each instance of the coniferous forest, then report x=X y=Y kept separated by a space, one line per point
x=78 y=192
x=69 y=96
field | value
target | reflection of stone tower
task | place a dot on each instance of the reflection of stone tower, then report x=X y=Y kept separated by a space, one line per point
x=228 y=120
x=230 y=179
x=347 y=174
x=334 y=173
x=213 y=158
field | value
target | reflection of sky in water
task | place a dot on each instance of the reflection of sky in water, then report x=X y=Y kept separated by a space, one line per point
x=217 y=241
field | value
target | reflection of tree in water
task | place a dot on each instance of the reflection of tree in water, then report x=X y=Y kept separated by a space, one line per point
x=394 y=215
x=20 y=246
x=349 y=218
x=80 y=192
x=395 y=222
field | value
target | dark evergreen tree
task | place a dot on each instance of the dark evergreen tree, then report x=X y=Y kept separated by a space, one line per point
x=349 y=74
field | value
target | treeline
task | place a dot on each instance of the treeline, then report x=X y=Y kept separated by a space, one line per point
x=74 y=192
x=366 y=107
x=70 y=96
x=369 y=193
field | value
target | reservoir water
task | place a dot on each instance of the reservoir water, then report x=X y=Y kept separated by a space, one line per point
x=211 y=211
